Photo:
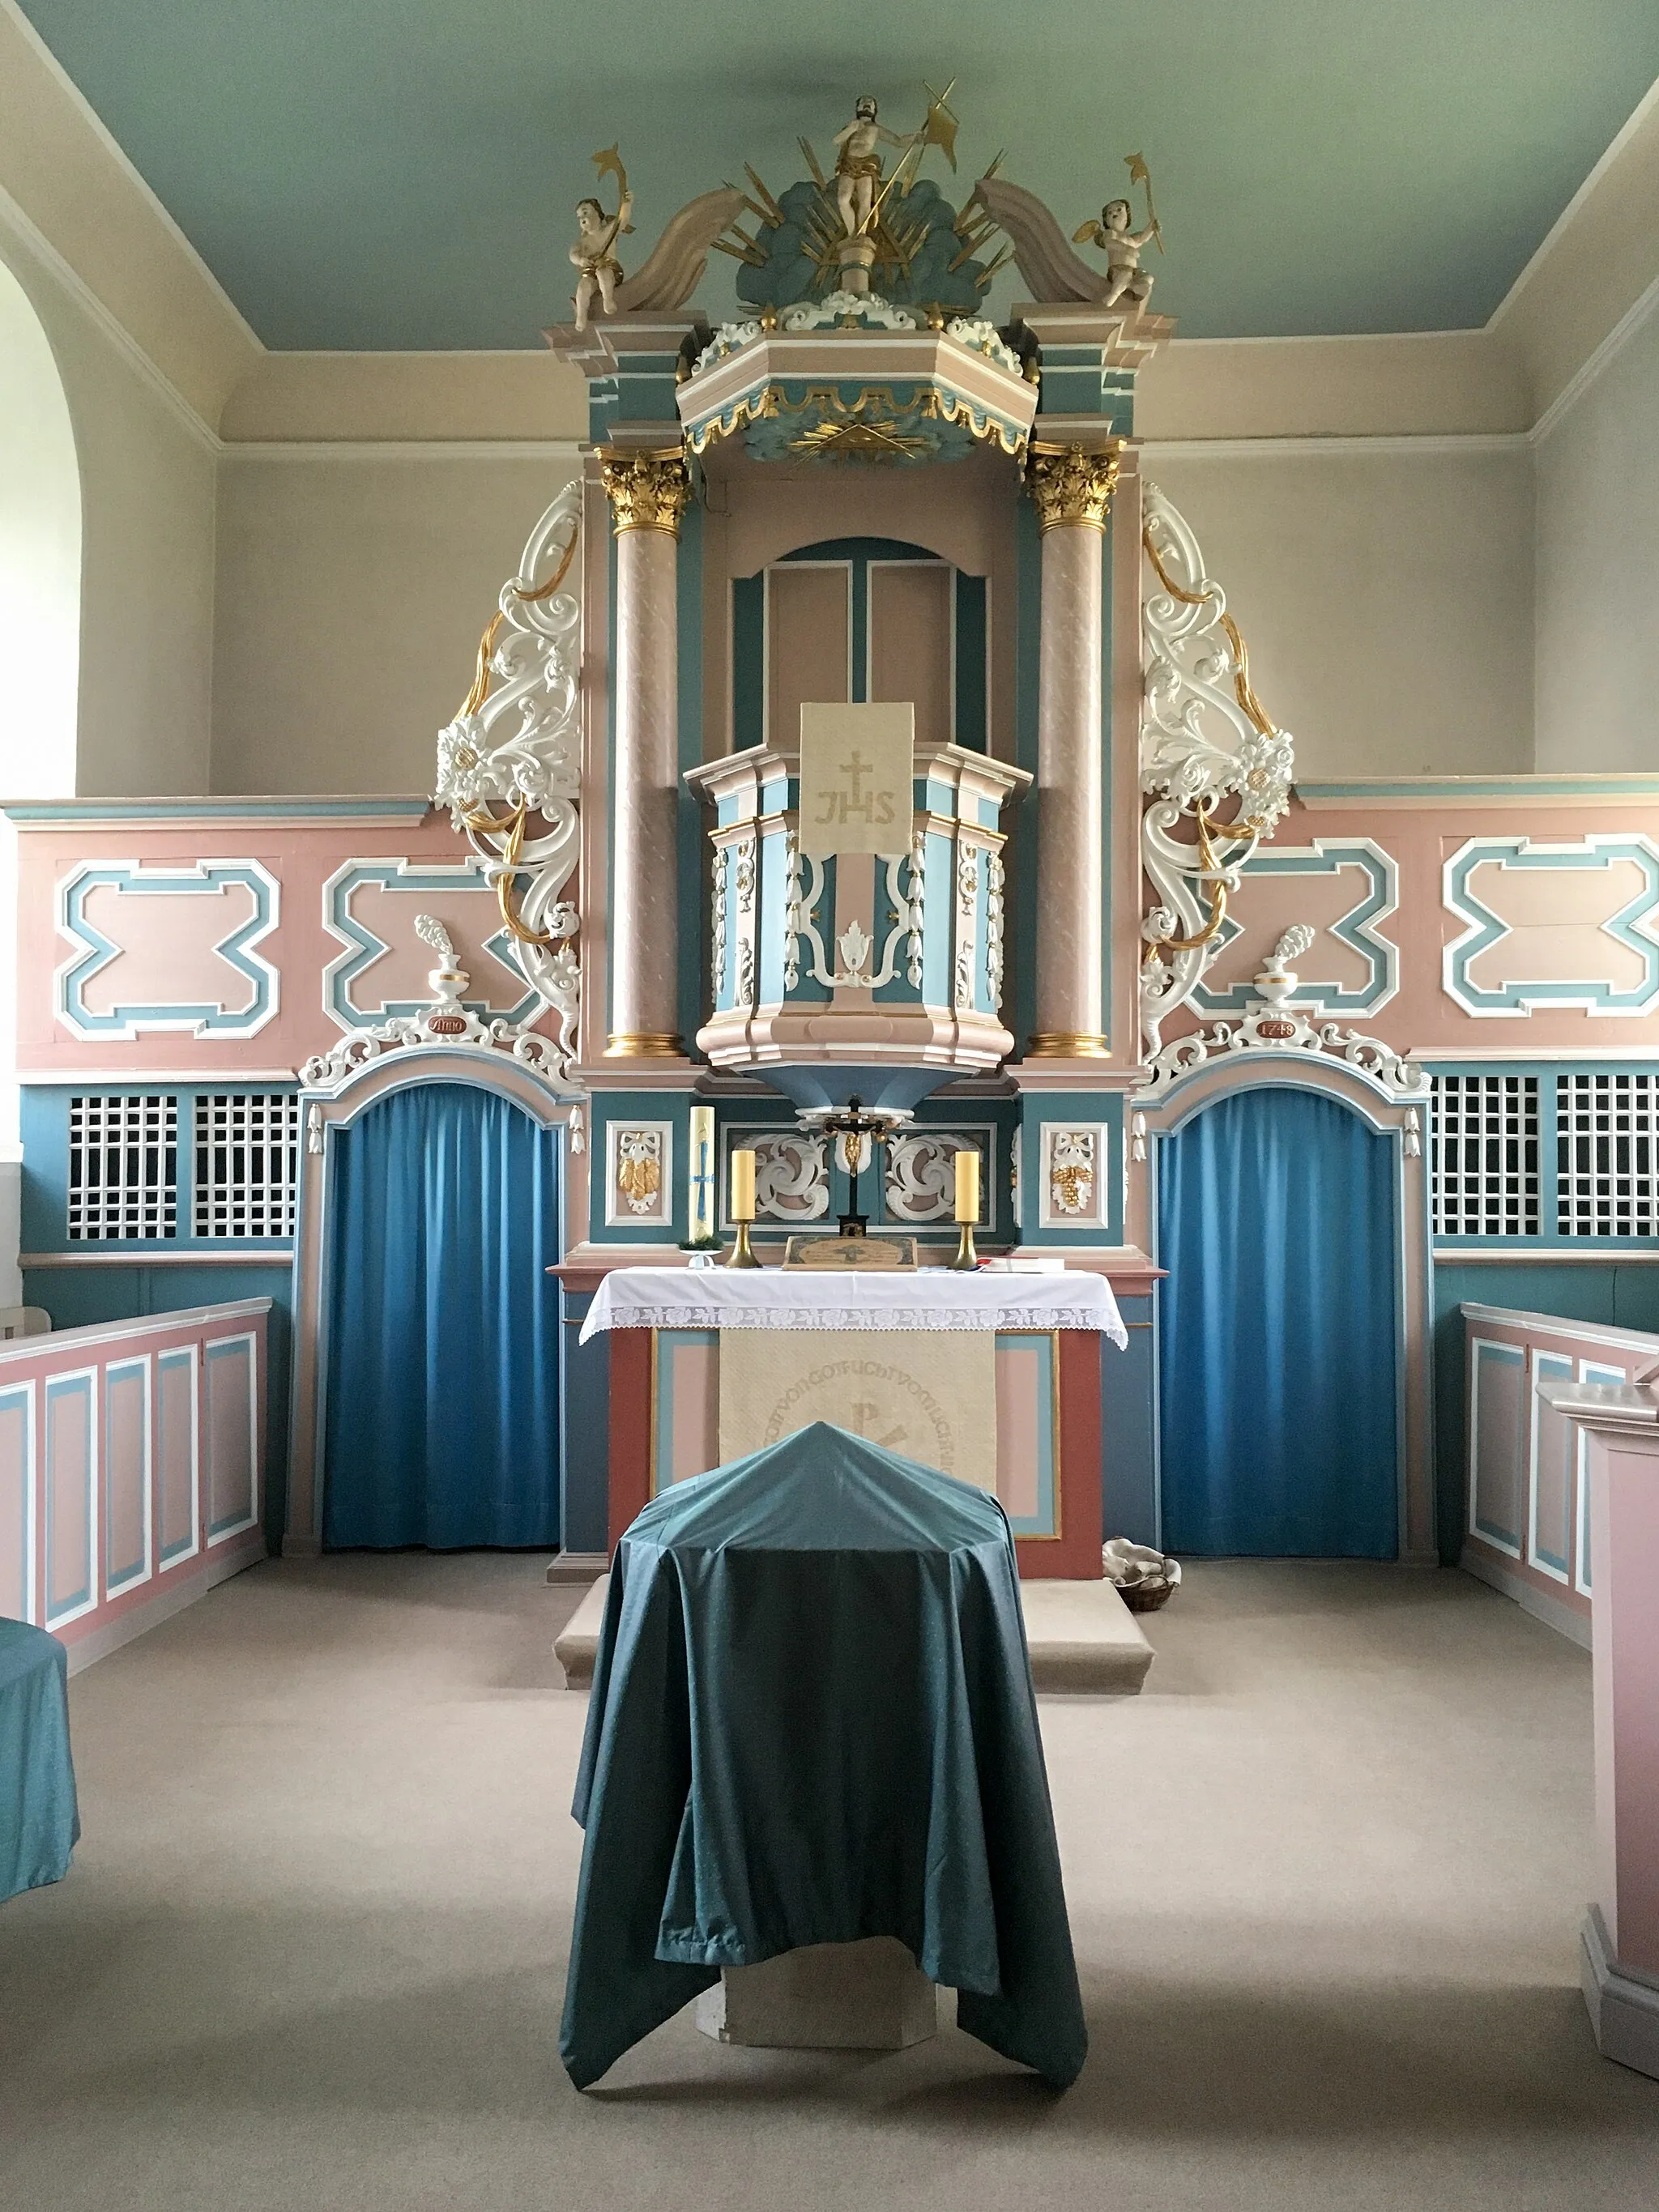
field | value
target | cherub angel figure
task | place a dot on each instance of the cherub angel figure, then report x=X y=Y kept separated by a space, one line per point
x=858 y=164
x=594 y=253
x=1126 y=278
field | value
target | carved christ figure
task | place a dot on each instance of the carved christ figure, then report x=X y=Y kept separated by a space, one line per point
x=1126 y=278
x=594 y=255
x=858 y=165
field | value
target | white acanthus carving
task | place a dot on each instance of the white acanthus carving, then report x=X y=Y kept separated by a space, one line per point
x=1271 y=1027
x=727 y=338
x=717 y=925
x=514 y=750
x=1204 y=741
x=993 y=876
x=856 y=943
x=980 y=337
x=745 y=873
x=967 y=901
x=920 y=1180
x=853 y=945
x=444 y=1022
x=745 y=983
x=791 y=1177
x=864 y=307
x=792 y=922
x=915 y=914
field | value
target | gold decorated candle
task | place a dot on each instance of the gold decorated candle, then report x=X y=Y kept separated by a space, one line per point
x=743 y=1186
x=967 y=1184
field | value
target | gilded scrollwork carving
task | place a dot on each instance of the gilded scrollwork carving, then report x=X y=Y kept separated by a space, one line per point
x=1206 y=743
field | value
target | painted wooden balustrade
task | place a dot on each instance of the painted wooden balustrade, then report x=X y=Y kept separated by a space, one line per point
x=131 y=1469
x=1527 y=1500
x=865 y=958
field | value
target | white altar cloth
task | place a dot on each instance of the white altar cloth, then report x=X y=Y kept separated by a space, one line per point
x=792 y=1297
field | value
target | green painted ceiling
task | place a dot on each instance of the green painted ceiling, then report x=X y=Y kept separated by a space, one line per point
x=400 y=173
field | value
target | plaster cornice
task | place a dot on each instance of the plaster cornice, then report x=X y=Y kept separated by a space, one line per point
x=1592 y=272
x=74 y=188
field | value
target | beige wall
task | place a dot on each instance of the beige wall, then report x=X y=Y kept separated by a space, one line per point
x=1385 y=596
x=147 y=480
x=352 y=589
x=1597 y=555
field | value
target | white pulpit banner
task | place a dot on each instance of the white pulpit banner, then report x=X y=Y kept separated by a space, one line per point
x=927 y=1394
x=856 y=766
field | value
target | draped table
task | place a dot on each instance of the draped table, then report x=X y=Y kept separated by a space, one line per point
x=39 y=1823
x=811 y=1723
x=990 y=1375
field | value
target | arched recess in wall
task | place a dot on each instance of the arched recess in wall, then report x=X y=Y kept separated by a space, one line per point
x=40 y=559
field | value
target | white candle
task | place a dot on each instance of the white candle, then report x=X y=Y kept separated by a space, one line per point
x=743 y=1186
x=967 y=1184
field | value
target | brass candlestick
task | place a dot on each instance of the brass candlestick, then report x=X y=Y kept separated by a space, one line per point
x=966 y=1256
x=741 y=1254
x=742 y=1176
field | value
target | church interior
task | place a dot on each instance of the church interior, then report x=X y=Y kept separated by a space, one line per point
x=828 y=1106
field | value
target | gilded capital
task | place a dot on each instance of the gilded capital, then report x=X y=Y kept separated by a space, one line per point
x=1071 y=488
x=648 y=489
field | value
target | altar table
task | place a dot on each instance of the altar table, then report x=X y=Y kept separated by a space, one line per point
x=1033 y=1438
x=39 y=1824
x=812 y=1722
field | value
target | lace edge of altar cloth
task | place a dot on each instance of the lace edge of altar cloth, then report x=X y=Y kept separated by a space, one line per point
x=682 y=1299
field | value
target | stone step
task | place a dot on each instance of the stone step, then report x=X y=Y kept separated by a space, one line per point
x=1081 y=1637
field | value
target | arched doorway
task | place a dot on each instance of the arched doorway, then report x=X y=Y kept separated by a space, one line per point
x=1278 y=1329
x=440 y=1326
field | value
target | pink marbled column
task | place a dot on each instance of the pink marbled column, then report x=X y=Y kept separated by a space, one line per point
x=643 y=884
x=1070 y=739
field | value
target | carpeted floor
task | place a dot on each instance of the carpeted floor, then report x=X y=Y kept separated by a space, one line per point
x=1325 y=1877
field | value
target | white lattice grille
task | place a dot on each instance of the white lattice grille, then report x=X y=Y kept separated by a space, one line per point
x=1607 y=1148
x=1486 y=1155
x=122 y=1166
x=248 y=1162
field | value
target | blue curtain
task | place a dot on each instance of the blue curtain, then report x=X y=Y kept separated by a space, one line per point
x=1276 y=1347
x=442 y=1421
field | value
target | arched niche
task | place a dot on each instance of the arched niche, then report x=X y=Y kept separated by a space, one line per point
x=39 y=558
x=860 y=617
x=327 y=1112
x=1387 y=1109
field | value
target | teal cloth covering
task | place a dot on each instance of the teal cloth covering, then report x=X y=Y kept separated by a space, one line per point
x=812 y=1722
x=39 y=1821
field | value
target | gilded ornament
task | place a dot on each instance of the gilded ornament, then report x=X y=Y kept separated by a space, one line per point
x=648 y=488
x=1072 y=488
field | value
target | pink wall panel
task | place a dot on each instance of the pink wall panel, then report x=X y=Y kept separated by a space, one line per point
x=116 y=1536
x=696 y=1387
x=1555 y=916
x=17 y=1481
x=126 y=1473
x=176 y=1531
x=808 y=619
x=229 y=1366
x=1020 y=1377
x=167 y=947
x=910 y=642
x=301 y=854
x=70 y=1501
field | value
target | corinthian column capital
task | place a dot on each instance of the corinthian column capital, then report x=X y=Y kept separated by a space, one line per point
x=647 y=488
x=1071 y=486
